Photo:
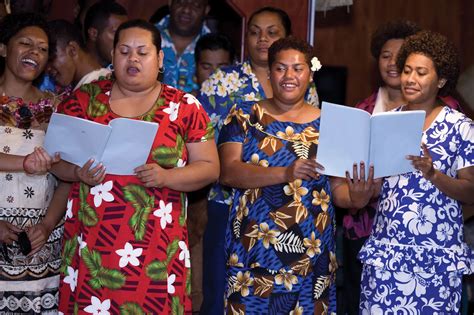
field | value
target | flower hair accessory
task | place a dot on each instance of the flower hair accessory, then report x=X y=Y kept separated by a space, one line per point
x=315 y=64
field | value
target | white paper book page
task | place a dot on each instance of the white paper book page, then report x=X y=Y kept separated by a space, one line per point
x=76 y=139
x=129 y=145
x=394 y=135
x=343 y=138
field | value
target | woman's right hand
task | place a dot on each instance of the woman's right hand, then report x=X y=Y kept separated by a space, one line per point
x=39 y=162
x=303 y=169
x=8 y=232
x=90 y=175
x=360 y=189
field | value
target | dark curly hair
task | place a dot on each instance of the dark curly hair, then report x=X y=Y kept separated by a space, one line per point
x=11 y=24
x=400 y=29
x=440 y=50
x=287 y=43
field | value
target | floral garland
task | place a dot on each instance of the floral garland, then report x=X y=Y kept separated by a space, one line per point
x=15 y=112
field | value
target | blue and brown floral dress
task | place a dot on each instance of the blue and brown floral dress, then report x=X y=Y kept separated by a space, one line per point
x=280 y=238
x=415 y=257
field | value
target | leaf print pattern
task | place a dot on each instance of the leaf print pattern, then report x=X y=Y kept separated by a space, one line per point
x=273 y=239
x=116 y=242
x=416 y=250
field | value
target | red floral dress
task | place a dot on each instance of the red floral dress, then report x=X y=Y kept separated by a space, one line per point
x=125 y=246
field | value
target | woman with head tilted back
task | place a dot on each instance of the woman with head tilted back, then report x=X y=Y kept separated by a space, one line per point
x=415 y=256
x=229 y=85
x=29 y=200
x=125 y=243
x=280 y=246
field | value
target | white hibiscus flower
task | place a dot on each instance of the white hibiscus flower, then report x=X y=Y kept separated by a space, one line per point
x=191 y=99
x=71 y=278
x=444 y=232
x=184 y=254
x=97 y=307
x=419 y=219
x=172 y=110
x=164 y=213
x=250 y=97
x=171 y=279
x=444 y=292
x=408 y=283
x=129 y=255
x=69 y=214
x=102 y=192
x=425 y=184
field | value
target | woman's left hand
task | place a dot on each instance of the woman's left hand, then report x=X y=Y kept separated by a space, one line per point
x=151 y=175
x=38 y=235
x=423 y=163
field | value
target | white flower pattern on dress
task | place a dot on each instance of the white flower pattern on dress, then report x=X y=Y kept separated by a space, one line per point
x=170 y=280
x=129 y=255
x=71 y=278
x=97 y=307
x=184 y=254
x=164 y=213
x=417 y=236
x=102 y=192
x=69 y=209
x=172 y=110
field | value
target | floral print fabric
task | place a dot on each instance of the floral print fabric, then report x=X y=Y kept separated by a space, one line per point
x=179 y=70
x=225 y=88
x=280 y=238
x=417 y=242
x=28 y=284
x=125 y=245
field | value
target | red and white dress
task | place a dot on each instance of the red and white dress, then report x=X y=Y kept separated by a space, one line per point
x=125 y=245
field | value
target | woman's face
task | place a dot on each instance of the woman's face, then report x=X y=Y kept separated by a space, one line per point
x=388 y=63
x=420 y=82
x=136 y=59
x=264 y=29
x=290 y=76
x=27 y=53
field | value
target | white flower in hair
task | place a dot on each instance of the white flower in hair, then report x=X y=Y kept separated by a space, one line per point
x=315 y=64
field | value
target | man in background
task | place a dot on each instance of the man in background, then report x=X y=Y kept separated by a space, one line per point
x=71 y=63
x=180 y=30
x=101 y=21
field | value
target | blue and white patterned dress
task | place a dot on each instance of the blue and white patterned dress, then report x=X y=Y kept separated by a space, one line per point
x=416 y=255
x=280 y=245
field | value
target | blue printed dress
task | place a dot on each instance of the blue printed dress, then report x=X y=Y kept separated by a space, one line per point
x=280 y=238
x=415 y=256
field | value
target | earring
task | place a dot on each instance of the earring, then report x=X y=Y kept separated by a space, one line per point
x=161 y=70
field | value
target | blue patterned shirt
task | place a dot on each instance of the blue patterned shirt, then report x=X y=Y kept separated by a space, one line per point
x=179 y=70
x=226 y=87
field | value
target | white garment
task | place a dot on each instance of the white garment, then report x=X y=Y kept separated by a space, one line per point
x=93 y=76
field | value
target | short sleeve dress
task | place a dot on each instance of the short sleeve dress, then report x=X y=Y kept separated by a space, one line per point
x=125 y=246
x=415 y=256
x=280 y=238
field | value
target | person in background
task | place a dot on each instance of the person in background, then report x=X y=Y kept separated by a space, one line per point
x=212 y=51
x=180 y=30
x=101 y=21
x=248 y=81
x=415 y=257
x=280 y=242
x=70 y=63
x=357 y=224
x=125 y=240
x=31 y=200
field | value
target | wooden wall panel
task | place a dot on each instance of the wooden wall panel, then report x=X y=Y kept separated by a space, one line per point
x=343 y=38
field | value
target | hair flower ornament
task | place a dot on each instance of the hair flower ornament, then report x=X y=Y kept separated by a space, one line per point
x=315 y=64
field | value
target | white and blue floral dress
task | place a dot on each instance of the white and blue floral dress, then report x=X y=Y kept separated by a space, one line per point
x=415 y=256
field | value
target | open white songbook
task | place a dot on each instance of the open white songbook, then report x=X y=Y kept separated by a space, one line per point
x=350 y=135
x=121 y=146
